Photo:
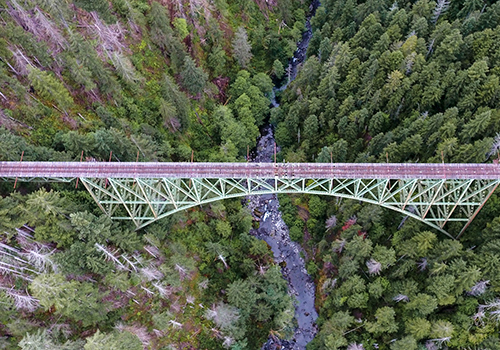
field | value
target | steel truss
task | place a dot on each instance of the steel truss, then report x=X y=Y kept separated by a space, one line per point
x=434 y=202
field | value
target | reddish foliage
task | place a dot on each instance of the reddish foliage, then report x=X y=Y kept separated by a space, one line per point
x=358 y=314
x=81 y=278
x=87 y=333
x=116 y=299
x=266 y=5
x=224 y=27
x=329 y=269
x=70 y=122
x=189 y=43
x=222 y=84
x=169 y=5
x=6 y=280
x=348 y=224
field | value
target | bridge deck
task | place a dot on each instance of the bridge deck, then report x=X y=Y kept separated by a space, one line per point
x=248 y=170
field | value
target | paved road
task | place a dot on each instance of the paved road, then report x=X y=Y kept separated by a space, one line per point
x=249 y=170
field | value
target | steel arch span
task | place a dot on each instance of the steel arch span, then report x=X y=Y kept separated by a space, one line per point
x=434 y=193
x=436 y=202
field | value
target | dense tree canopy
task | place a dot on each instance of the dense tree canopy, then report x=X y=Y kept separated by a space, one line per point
x=127 y=80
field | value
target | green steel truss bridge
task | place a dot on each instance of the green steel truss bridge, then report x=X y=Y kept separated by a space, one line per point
x=436 y=194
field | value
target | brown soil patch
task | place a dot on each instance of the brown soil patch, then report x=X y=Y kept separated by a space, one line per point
x=303 y=213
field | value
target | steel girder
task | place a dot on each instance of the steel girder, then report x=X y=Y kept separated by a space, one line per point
x=434 y=202
x=38 y=179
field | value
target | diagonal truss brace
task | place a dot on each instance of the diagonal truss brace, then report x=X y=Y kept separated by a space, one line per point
x=434 y=202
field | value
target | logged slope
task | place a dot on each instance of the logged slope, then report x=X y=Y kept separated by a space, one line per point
x=161 y=77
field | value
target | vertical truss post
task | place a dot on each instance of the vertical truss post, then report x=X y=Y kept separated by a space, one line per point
x=458 y=201
x=433 y=200
x=146 y=197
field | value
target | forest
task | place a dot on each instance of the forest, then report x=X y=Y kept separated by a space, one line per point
x=192 y=80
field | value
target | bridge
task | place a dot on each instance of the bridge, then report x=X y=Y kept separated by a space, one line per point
x=441 y=195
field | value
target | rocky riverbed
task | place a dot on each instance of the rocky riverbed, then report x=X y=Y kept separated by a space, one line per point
x=274 y=231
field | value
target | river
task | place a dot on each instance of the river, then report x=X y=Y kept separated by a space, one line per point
x=275 y=233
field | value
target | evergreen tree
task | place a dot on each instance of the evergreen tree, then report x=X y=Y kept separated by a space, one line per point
x=406 y=343
x=43 y=340
x=278 y=69
x=419 y=328
x=80 y=74
x=217 y=61
x=115 y=340
x=172 y=94
x=384 y=321
x=242 y=48
x=163 y=35
x=193 y=78
x=99 y=6
x=84 y=51
x=49 y=88
x=77 y=300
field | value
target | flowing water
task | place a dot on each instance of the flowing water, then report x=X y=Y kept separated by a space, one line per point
x=274 y=231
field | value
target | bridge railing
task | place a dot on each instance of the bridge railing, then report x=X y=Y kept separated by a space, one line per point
x=248 y=170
